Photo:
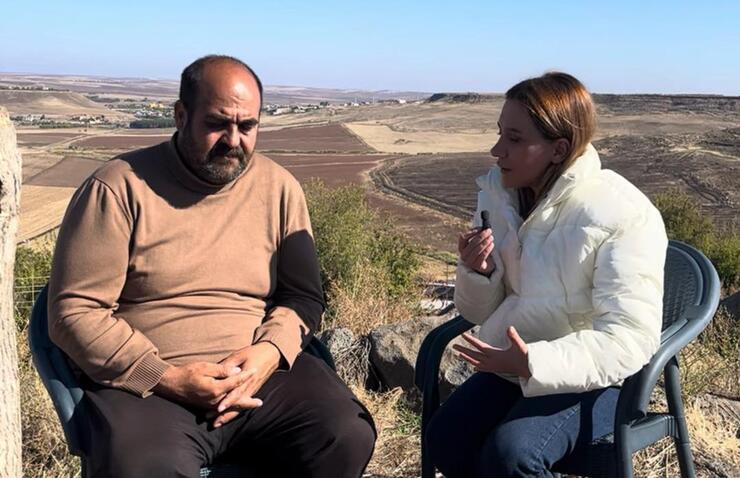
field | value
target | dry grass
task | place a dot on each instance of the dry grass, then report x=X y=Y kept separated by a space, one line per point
x=365 y=304
x=383 y=138
x=712 y=363
x=714 y=444
x=398 y=444
x=713 y=429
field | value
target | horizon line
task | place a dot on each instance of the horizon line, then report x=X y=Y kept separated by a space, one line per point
x=635 y=93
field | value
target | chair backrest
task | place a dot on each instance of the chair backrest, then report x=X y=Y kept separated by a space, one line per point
x=56 y=374
x=683 y=284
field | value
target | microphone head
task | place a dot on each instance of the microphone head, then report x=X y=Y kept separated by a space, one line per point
x=485 y=221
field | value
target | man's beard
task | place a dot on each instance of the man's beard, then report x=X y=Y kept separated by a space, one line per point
x=211 y=168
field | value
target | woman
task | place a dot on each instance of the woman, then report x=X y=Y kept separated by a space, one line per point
x=567 y=286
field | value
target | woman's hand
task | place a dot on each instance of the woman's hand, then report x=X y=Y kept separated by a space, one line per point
x=486 y=358
x=475 y=248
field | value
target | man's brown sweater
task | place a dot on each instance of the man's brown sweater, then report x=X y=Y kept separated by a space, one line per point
x=154 y=267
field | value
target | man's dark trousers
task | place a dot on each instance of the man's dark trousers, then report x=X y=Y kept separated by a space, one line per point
x=310 y=425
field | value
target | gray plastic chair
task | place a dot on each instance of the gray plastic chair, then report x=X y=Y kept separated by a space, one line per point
x=691 y=297
x=68 y=397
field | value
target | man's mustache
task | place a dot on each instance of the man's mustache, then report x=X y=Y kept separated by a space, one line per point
x=221 y=150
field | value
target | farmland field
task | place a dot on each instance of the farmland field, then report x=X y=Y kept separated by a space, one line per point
x=42 y=208
x=69 y=172
x=325 y=138
x=333 y=169
x=706 y=166
x=120 y=141
x=445 y=182
x=43 y=138
x=419 y=161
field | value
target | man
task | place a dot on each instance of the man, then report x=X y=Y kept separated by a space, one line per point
x=184 y=285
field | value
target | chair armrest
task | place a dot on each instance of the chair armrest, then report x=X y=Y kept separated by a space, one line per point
x=430 y=352
x=637 y=389
x=316 y=348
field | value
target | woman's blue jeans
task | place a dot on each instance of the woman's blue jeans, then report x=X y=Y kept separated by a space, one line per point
x=488 y=429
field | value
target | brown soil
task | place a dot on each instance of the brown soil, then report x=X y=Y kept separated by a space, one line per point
x=325 y=138
x=120 y=141
x=432 y=230
x=35 y=162
x=31 y=140
x=445 y=182
x=69 y=172
x=333 y=169
x=706 y=166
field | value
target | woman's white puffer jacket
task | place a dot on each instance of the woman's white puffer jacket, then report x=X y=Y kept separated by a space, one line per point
x=581 y=279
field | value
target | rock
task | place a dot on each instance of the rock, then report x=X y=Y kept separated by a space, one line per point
x=393 y=352
x=732 y=304
x=350 y=353
x=337 y=340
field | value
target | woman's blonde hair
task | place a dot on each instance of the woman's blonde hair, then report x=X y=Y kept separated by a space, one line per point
x=560 y=107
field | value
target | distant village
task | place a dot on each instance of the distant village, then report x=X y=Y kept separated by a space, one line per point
x=155 y=114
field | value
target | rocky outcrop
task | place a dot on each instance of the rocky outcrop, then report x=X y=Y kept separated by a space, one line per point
x=393 y=352
x=462 y=98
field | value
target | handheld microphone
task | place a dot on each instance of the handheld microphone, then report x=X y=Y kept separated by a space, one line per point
x=485 y=222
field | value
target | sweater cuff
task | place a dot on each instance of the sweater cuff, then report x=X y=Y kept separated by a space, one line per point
x=145 y=375
x=288 y=347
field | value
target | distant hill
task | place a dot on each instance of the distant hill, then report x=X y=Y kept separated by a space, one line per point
x=469 y=97
x=624 y=104
x=52 y=103
x=692 y=104
x=153 y=88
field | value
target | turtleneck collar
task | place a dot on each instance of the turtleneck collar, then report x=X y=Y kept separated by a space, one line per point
x=176 y=165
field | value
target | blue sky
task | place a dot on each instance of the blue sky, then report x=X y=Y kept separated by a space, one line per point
x=613 y=47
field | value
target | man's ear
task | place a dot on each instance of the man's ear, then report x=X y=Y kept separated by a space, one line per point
x=560 y=150
x=181 y=115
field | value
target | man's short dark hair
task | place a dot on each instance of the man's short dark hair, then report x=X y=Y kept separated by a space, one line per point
x=193 y=74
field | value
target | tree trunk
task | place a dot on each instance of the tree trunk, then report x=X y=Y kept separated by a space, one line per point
x=10 y=409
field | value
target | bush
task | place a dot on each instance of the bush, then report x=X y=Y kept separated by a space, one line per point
x=724 y=252
x=350 y=237
x=152 y=123
x=32 y=268
x=685 y=222
x=368 y=270
x=683 y=219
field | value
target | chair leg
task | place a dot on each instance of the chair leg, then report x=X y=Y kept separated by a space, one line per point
x=427 y=467
x=623 y=450
x=675 y=407
x=428 y=408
